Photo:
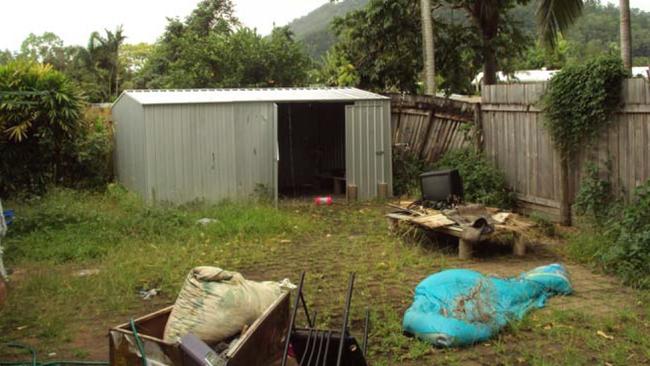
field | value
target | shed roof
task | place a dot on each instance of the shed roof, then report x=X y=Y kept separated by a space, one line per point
x=189 y=96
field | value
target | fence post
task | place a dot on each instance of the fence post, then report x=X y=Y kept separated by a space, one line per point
x=565 y=202
x=478 y=126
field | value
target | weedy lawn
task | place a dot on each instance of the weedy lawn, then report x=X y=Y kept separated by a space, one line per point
x=129 y=247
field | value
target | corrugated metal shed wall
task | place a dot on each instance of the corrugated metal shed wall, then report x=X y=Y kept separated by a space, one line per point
x=130 y=159
x=209 y=151
x=368 y=147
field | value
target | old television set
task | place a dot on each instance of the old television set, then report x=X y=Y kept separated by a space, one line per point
x=442 y=186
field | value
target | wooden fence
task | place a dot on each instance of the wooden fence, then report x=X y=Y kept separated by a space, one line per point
x=516 y=140
x=430 y=126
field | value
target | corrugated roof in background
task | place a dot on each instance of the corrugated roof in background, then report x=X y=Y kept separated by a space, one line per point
x=188 y=96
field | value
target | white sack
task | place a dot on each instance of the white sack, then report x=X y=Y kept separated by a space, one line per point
x=215 y=304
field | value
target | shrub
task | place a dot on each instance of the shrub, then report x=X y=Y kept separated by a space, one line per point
x=595 y=198
x=621 y=242
x=88 y=161
x=44 y=138
x=482 y=181
x=407 y=167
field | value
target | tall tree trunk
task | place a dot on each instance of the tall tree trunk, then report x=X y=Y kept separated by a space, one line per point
x=427 y=40
x=626 y=34
x=490 y=63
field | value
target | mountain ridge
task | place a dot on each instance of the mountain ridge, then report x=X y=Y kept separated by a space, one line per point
x=313 y=29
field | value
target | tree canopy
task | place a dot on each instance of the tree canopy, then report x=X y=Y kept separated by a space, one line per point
x=211 y=49
x=380 y=46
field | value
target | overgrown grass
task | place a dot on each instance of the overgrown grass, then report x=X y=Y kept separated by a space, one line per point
x=137 y=247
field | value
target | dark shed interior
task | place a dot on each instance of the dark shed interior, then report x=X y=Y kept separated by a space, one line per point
x=311 y=138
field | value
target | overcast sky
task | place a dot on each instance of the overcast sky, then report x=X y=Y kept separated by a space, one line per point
x=143 y=20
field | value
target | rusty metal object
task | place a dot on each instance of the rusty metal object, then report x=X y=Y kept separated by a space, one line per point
x=259 y=345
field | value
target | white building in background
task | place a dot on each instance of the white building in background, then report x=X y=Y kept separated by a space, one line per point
x=534 y=76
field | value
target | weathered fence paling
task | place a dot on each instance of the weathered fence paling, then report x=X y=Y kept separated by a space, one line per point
x=516 y=140
x=430 y=126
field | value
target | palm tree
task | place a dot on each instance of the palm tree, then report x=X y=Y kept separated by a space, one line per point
x=553 y=17
x=626 y=34
x=104 y=53
x=427 y=39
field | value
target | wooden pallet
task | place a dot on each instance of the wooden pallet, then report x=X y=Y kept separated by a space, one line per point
x=434 y=220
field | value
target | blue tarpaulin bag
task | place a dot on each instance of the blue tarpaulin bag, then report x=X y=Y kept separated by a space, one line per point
x=460 y=307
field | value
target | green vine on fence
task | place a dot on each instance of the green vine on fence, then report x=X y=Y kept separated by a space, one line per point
x=581 y=100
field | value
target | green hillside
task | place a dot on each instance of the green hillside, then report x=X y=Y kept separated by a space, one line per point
x=595 y=32
x=313 y=29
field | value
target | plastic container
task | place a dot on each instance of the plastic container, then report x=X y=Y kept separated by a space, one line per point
x=9 y=216
x=323 y=201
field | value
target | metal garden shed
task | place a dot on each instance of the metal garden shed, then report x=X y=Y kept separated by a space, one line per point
x=180 y=146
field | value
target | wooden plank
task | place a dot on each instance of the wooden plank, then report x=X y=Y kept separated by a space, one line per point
x=639 y=156
x=631 y=179
x=433 y=221
x=514 y=94
x=633 y=108
x=646 y=166
x=522 y=108
x=539 y=201
x=622 y=155
x=518 y=144
x=534 y=169
x=612 y=152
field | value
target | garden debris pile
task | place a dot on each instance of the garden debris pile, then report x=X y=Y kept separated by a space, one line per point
x=459 y=307
x=473 y=220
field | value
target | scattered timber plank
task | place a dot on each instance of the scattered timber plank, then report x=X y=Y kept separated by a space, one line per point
x=433 y=221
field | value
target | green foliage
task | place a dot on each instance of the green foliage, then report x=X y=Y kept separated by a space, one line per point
x=382 y=45
x=620 y=242
x=594 y=199
x=96 y=68
x=44 y=137
x=89 y=156
x=40 y=111
x=544 y=224
x=597 y=32
x=46 y=48
x=482 y=181
x=407 y=167
x=337 y=70
x=581 y=100
x=209 y=49
x=5 y=56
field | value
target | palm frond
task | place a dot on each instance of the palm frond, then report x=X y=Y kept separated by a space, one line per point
x=554 y=17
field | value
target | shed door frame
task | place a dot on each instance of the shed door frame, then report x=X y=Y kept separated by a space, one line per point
x=276 y=156
x=368 y=155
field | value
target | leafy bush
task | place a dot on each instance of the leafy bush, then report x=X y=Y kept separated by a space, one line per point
x=407 y=167
x=621 y=243
x=581 y=100
x=594 y=199
x=44 y=138
x=39 y=111
x=482 y=181
x=89 y=162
